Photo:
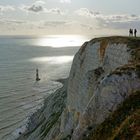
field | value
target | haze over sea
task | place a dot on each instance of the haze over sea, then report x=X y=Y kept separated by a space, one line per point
x=20 y=94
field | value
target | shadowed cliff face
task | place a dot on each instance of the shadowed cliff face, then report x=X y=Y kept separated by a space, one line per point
x=105 y=72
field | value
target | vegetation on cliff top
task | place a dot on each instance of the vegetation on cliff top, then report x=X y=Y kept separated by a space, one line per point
x=118 y=39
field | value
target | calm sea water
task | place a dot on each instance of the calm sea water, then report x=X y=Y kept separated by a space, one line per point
x=19 y=57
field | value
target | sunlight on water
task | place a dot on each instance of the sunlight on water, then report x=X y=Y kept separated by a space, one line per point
x=20 y=94
x=58 y=41
x=53 y=60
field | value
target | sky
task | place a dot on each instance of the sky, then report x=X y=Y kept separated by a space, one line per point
x=84 y=17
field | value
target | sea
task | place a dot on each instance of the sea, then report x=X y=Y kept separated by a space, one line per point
x=20 y=56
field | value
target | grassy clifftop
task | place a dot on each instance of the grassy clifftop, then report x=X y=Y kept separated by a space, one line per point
x=117 y=39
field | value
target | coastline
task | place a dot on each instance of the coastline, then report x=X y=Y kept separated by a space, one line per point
x=31 y=123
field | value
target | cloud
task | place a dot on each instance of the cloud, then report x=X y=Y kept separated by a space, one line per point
x=120 y=18
x=6 y=8
x=86 y=12
x=33 y=8
x=65 y=1
x=119 y=21
x=36 y=24
x=40 y=2
x=87 y=26
x=55 y=11
x=44 y=24
x=14 y=22
x=107 y=18
x=36 y=7
x=111 y=21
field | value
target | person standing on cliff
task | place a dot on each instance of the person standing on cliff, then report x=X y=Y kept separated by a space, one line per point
x=130 y=32
x=135 y=33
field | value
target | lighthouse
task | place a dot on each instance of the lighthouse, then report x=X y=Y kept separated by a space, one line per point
x=37 y=75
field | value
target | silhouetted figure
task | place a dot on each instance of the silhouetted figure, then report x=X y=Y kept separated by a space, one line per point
x=130 y=32
x=37 y=75
x=135 y=33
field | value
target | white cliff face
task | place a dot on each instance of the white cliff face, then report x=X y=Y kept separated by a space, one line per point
x=94 y=60
x=115 y=55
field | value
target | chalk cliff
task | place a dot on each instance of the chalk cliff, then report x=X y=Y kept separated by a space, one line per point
x=104 y=74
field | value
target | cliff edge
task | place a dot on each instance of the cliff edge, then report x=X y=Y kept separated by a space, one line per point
x=104 y=77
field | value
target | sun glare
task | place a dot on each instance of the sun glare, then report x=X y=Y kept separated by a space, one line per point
x=58 y=41
x=53 y=59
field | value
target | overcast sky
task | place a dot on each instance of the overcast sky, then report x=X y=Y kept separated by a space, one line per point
x=85 y=17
